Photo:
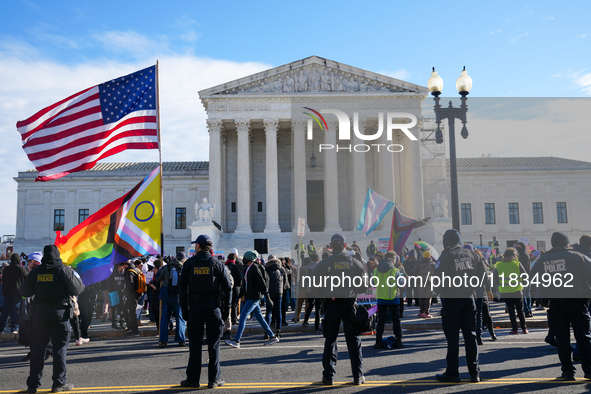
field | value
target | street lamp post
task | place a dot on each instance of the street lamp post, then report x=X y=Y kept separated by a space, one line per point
x=480 y=239
x=463 y=84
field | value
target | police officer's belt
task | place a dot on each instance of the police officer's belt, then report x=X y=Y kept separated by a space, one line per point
x=204 y=297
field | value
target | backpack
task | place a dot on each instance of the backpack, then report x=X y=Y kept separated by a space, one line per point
x=140 y=284
x=173 y=282
x=265 y=276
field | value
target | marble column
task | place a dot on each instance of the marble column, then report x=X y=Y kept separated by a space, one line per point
x=331 y=181
x=358 y=175
x=272 y=176
x=388 y=178
x=416 y=173
x=300 y=198
x=243 y=184
x=215 y=127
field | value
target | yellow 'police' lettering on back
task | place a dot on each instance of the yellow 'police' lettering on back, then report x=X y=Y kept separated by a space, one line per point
x=341 y=266
x=45 y=278
x=201 y=271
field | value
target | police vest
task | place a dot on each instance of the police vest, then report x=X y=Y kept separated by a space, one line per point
x=311 y=249
x=202 y=279
x=50 y=286
x=508 y=268
x=387 y=289
x=341 y=266
x=302 y=248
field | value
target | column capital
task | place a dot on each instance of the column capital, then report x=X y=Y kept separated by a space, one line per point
x=271 y=124
x=299 y=125
x=242 y=125
x=215 y=125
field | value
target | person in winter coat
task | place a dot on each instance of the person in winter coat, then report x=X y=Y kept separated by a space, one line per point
x=425 y=268
x=256 y=289
x=387 y=297
x=277 y=279
x=170 y=302
x=511 y=292
x=12 y=277
x=236 y=273
x=411 y=291
x=524 y=260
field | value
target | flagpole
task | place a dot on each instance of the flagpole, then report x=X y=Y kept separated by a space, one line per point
x=160 y=160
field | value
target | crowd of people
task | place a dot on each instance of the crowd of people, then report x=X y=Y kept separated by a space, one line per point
x=237 y=287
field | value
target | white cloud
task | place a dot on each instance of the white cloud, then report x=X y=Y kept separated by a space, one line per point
x=495 y=32
x=581 y=36
x=584 y=83
x=516 y=38
x=133 y=43
x=548 y=18
x=29 y=84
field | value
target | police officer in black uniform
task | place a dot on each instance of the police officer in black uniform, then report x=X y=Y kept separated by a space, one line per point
x=568 y=305
x=458 y=305
x=340 y=303
x=204 y=281
x=52 y=283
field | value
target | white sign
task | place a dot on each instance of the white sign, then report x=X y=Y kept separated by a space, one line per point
x=524 y=240
x=301 y=226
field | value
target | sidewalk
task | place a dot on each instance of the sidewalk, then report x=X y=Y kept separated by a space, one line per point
x=410 y=321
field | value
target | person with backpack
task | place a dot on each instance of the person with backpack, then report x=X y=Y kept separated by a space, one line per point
x=257 y=286
x=134 y=288
x=169 y=279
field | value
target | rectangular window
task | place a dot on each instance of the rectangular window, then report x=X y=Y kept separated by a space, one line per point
x=561 y=212
x=180 y=249
x=538 y=214
x=82 y=215
x=260 y=206
x=466 y=214
x=233 y=207
x=181 y=218
x=489 y=213
x=513 y=213
x=59 y=219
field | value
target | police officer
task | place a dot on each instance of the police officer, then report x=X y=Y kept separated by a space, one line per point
x=568 y=305
x=339 y=306
x=52 y=283
x=459 y=307
x=203 y=282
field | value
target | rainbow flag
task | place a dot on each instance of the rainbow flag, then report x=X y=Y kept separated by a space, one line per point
x=126 y=228
x=402 y=226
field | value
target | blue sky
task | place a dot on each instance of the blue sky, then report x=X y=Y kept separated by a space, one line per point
x=49 y=50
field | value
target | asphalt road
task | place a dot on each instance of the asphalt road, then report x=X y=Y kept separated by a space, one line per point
x=515 y=363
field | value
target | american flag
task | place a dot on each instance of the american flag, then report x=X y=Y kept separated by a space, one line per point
x=73 y=134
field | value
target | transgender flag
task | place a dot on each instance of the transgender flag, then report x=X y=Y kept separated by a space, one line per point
x=374 y=210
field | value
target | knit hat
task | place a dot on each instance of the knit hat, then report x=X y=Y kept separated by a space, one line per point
x=37 y=256
x=181 y=255
x=536 y=253
x=559 y=240
x=451 y=238
x=426 y=254
x=338 y=237
x=469 y=247
x=251 y=255
x=50 y=255
x=411 y=253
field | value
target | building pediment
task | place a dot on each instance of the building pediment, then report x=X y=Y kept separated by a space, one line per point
x=313 y=75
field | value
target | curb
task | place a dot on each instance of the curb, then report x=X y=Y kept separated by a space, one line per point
x=292 y=328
